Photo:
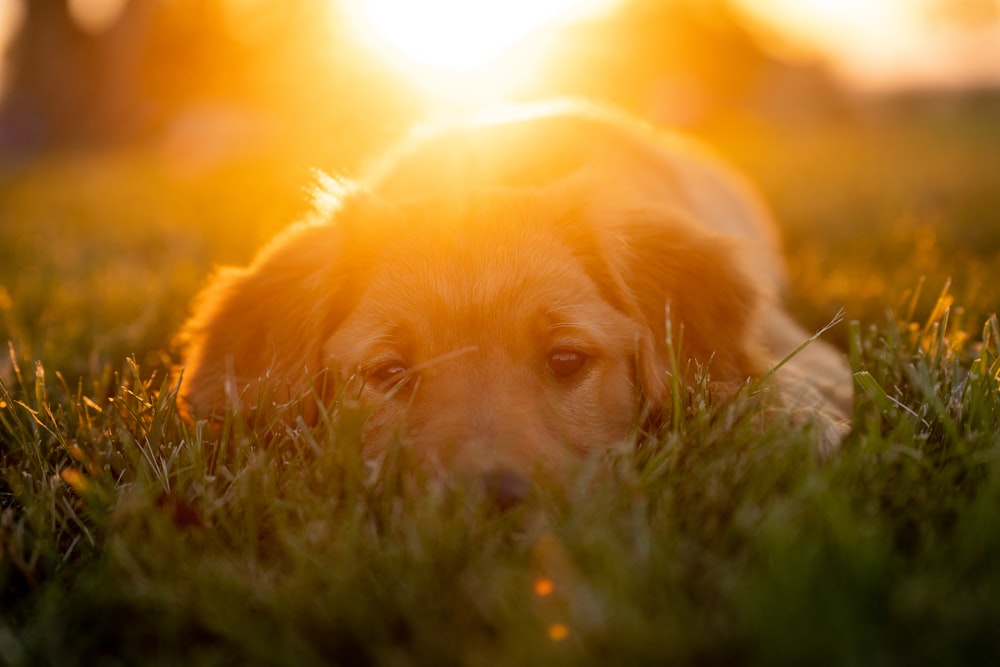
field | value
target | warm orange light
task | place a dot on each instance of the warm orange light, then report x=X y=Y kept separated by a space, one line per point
x=890 y=43
x=544 y=587
x=558 y=632
x=469 y=49
x=832 y=25
x=456 y=34
x=96 y=15
x=75 y=479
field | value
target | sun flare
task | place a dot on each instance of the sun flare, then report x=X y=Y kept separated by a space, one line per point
x=459 y=35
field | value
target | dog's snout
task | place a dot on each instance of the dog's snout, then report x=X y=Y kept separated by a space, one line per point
x=506 y=487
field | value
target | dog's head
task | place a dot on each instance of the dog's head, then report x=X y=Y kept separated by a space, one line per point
x=487 y=325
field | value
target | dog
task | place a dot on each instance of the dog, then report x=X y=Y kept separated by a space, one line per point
x=509 y=292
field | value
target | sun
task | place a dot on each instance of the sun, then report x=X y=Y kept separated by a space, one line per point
x=458 y=35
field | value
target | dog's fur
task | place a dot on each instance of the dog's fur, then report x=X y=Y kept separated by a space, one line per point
x=510 y=291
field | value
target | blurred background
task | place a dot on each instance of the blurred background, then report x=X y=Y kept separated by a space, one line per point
x=212 y=80
x=143 y=141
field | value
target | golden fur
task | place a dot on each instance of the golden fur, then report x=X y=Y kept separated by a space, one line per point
x=503 y=290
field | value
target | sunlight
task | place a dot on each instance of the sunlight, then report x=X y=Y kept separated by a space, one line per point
x=837 y=24
x=473 y=52
x=466 y=50
x=884 y=44
x=459 y=34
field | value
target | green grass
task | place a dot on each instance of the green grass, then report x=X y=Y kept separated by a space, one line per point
x=130 y=537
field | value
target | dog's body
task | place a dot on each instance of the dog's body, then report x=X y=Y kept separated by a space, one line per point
x=509 y=294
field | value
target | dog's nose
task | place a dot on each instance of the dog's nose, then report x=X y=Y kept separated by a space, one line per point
x=506 y=487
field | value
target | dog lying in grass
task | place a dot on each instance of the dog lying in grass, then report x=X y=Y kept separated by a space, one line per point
x=510 y=293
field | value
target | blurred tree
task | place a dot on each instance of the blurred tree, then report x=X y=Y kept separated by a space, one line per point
x=67 y=85
x=293 y=62
x=683 y=61
x=212 y=76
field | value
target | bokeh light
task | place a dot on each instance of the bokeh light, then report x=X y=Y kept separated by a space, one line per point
x=95 y=16
x=544 y=587
x=558 y=632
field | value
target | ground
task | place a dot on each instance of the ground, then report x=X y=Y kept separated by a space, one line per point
x=128 y=536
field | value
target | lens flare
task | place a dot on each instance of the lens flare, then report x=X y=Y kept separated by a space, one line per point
x=467 y=50
x=457 y=35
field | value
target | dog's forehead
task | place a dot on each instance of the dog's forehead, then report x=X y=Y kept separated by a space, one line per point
x=488 y=261
x=466 y=270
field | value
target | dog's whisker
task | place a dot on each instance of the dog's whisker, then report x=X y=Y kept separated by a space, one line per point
x=447 y=356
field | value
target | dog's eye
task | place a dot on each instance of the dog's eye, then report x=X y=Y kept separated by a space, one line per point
x=565 y=362
x=386 y=374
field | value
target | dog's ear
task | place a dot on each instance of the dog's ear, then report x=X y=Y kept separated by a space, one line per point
x=256 y=336
x=693 y=296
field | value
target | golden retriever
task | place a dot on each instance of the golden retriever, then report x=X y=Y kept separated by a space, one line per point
x=509 y=292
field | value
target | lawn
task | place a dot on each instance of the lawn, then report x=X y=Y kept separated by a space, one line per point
x=130 y=537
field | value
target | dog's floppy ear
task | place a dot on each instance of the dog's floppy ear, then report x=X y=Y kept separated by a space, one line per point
x=672 y=268
x=256 y=336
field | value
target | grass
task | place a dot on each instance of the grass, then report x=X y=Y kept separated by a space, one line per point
x=130 y=537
